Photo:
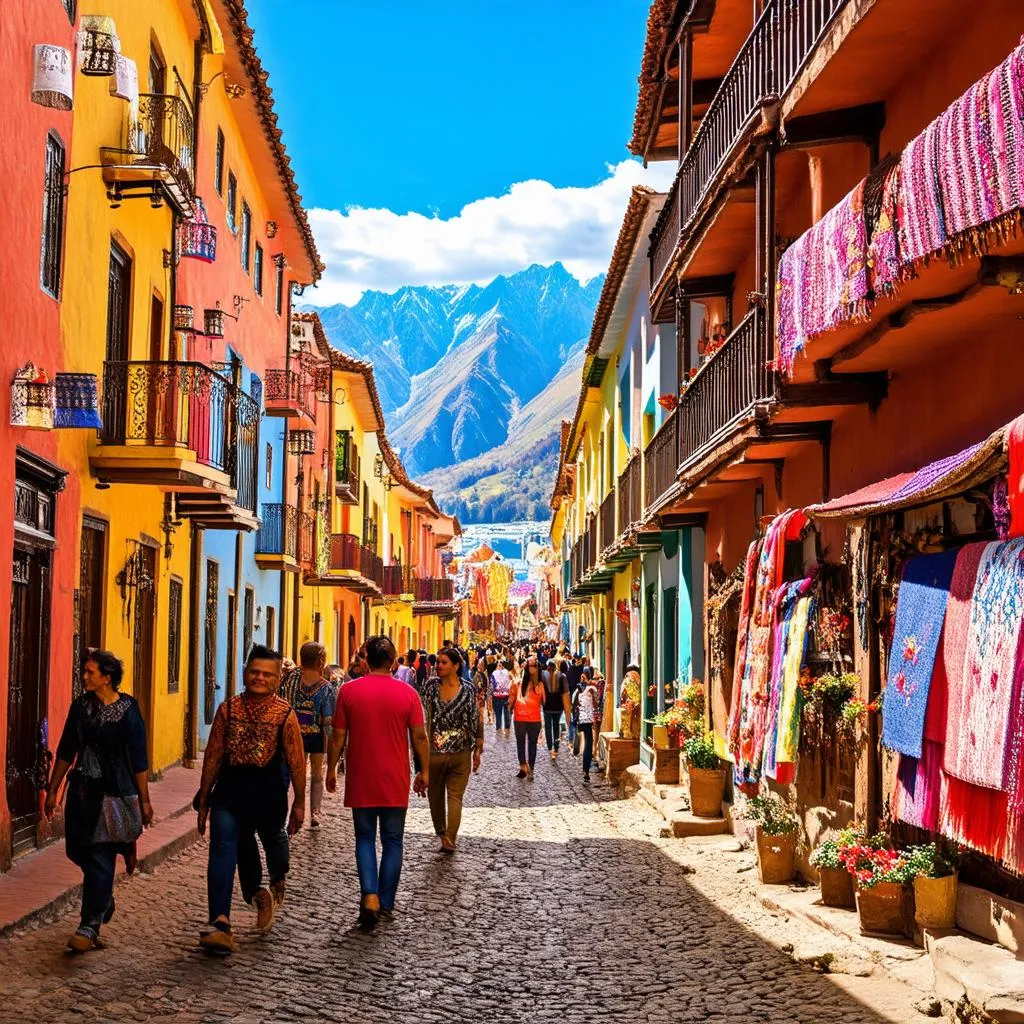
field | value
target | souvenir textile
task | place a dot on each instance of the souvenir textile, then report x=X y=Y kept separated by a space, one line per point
x=1015 y=479
x=983 y=684
x=77 y=400
x=822 y=278
x=886 y=270
x=920 y=613
x=918 y=785
x=789 y=710
x=964 y=174
x=743 y=627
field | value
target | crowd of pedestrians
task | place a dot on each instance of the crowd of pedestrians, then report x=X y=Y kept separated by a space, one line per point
x=298 y=727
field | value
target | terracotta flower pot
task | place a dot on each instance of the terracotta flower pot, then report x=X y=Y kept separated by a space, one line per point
x=836 y=887
x=775 y=857
x=935 y=901
x=880 y=909
x=707 y=787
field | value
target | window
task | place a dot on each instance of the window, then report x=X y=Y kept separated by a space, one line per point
x=271 y=640
x=279 y=284
x=270 y=467
x=248 y=620
x=210 y=642
x=71 y=9
x=218 y=167
x=157 y=71
x=246 y=237
x=51 y=248
x=174 y=635
x=232 y=200
x=257 y=269
x=232 y=644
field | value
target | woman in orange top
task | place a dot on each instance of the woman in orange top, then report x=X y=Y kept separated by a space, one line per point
x=526 y=698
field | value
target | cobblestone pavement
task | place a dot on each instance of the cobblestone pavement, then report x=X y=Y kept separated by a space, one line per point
x=561 y=905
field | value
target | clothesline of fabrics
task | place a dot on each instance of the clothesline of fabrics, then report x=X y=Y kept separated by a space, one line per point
x=952 y=188
x=483 y=580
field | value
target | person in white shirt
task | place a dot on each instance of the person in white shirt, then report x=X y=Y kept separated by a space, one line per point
x=501 y=683
x=586 y=712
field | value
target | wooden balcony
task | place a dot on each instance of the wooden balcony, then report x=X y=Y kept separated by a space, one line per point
x=433 y=596
x=606 y=517
x=630 y=504
x=186 y=428
x=155 y=155
x=351 y=565
x=400 y=581
x=346 y=468
x=288 y=394
x=727 y=390
x=767 y=65
x=661 y=461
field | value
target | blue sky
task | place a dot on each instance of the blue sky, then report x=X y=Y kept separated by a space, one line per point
x=407 y=119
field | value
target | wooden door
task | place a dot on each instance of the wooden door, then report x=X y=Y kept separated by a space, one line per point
x=144 y=628
x=27 y=690
x=90 y=594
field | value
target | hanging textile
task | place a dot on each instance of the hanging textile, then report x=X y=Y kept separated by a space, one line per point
x=920 y=613
x=789 y=711
x=1015 y=479
x=124 y=83
x=822 y=278
x=963 y=176
x=77 y=400
x=982 y=685
x=886 y=270
x=740 y=663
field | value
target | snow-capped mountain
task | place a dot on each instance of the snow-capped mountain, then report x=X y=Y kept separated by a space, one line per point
x=456 y=364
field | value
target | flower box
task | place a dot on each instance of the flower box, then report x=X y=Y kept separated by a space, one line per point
x=776 y=857
x=707 y=789
x=836 y=888
x=935 y=901
x=880 y=909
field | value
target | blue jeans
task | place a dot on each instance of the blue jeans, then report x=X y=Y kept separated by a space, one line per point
x=97 y=861
x=552 y=729
x=379 y=880
x=233 y=842
x=502 y=715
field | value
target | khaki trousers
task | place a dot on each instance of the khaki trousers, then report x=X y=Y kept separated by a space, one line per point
x=449 y=776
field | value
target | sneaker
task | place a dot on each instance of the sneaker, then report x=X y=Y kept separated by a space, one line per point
x=586 y=777
x=218 y=939
x=369 y=912
x=314 y=819
x=84 y=939
x=264 y=904
x=277 y=891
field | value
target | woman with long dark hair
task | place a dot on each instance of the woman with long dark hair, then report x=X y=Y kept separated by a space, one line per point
x=526 y=699
x=108 y=804
x=455 y=735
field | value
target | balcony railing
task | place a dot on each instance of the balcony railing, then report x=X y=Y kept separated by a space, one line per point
x=576 y=560
x=288 y=393
x=591 y=542
x=434 y=591
x=156 y=152
x=766 y=66
x=307 y=540
x=661 y=460
x=607 y=518
x=243 y=453
x=277 y=530
x=349 y=554
x=399 y=579
x=730 y=383
x=630 y=505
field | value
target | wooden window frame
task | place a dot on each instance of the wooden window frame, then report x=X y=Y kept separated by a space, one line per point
x=231 y=202
x=218 y=165
x=51 y=240
x=257 y=269
x=245 y=236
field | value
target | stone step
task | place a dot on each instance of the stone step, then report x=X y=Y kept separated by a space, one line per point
x=686 y=824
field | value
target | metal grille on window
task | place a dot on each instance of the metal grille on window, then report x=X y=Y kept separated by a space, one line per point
x=52 y=242
x=210 y=661
x=174 y=602
x=301 y=442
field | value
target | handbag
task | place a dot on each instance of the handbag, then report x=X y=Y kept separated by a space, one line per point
x=120 y=820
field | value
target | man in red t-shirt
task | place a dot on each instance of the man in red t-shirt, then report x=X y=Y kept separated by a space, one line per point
x=378 y=714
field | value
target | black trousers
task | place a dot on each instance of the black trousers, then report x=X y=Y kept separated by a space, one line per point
x=527 y=734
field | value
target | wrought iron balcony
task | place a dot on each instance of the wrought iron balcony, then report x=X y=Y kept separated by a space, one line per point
x=364 y=568
x=431 y=592
x=399 y=579
x=661 y=459
x=156 y=155
x=346 y=468
x=307 y=539
x=727 y=388
x=199 y=432
x=289 y=394
x=277 y=534
x=763 y=71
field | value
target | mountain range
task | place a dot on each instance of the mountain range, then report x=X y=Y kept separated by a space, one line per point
x=475 y=380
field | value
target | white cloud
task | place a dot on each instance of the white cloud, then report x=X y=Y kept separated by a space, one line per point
x=533 y=222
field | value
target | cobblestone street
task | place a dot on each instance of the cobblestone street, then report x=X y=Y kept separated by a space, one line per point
x=561 y=904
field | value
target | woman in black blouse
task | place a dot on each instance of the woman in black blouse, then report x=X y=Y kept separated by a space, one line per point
x=108 y=802
x=455 y=733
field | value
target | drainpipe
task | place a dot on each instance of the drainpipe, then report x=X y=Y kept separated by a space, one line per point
x=192 y=709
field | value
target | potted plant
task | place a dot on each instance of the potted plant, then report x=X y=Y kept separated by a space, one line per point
x=775 y=837
x=706 y=775
x=836 y=881
x=881 y=876
x=935 y=886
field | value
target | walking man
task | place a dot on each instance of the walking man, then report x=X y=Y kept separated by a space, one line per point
x=255 y=740
x=378 y=715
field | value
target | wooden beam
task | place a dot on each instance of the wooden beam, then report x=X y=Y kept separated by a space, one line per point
x=839 y=389
x=683 y=520
x=863 y=123
x=708 y=287
x=704 y=90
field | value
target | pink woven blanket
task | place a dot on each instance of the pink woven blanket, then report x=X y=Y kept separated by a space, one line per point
x=981 y=700
x=822 y=278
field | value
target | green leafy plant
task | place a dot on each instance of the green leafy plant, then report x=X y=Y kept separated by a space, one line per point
x=871 y=863
x=931 y=861
x=834 y=690
x=828 y=853
x=700 y=753
x=772 y=816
